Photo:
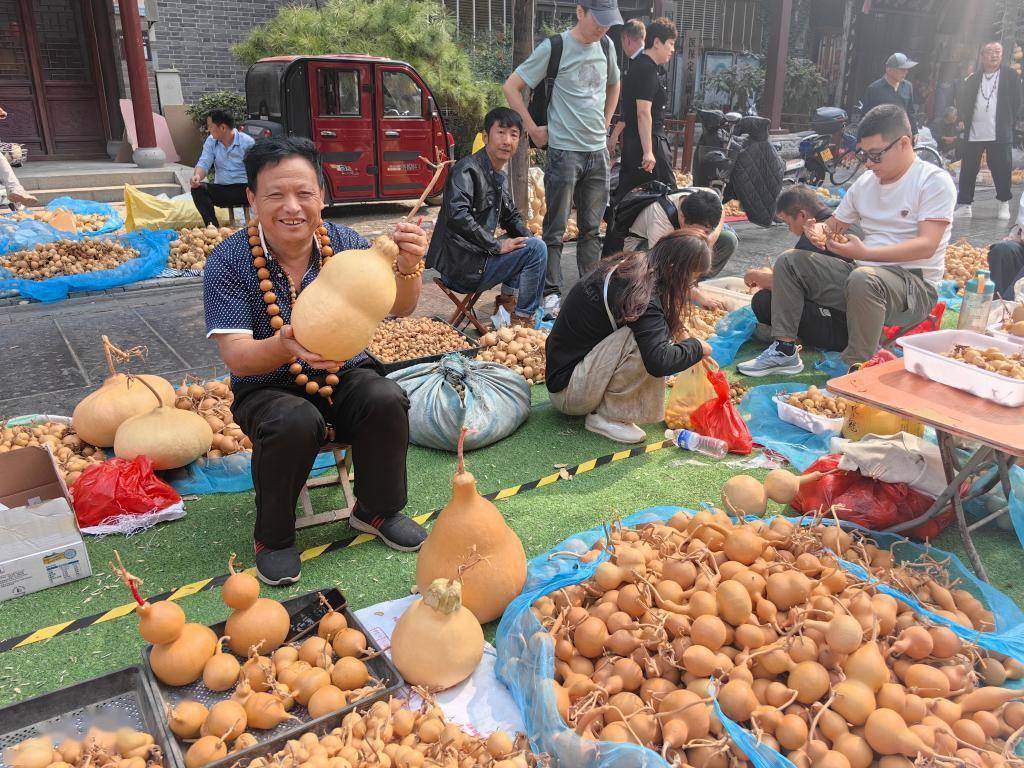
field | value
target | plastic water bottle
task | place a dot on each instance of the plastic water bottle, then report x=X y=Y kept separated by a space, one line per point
x=691 y=441
x=978 y=295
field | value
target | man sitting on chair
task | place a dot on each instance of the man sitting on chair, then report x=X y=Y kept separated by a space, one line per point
x=477 y=199
x=289 y=400
x=224 y=150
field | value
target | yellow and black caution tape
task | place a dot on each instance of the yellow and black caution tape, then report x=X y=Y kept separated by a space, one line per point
x=67 y=627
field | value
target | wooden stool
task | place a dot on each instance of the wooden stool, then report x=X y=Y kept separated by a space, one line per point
x=465 y=312
x=343 y=460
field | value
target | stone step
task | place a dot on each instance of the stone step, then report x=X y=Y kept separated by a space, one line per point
x=105 y=194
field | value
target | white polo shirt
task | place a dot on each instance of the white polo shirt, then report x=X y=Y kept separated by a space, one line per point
x=889 y=214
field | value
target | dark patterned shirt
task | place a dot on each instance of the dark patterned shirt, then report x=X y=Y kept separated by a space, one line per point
x=233 y=301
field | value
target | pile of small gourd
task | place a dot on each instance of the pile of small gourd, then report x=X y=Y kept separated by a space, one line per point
x=1014 y=324
x=818 y=664
x=123 y=748
x=84 y=222
x=732 y=209
x=1010 y=364
x=388 y=733
x=684 y=179
x=194 y=245
x=212 y=401
x=72 y=454
x=520 y=349
x=818 y=403
x=700 y=323
x=537 y=200
x=1018 y=54
x=407 y=338
x=963 y=261
x=67 y=257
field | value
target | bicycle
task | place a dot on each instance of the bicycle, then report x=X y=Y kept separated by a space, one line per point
x=830 y=151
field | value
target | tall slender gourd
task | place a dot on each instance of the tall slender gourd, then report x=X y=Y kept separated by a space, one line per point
x=469 y=530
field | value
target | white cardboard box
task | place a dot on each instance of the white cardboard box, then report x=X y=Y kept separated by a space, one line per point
x=40 y=544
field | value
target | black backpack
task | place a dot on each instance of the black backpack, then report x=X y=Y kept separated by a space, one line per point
x=540 y=98
x=632 y=205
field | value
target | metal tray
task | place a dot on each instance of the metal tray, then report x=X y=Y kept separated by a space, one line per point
x=124 y=698
x=305 y=610
x=398 y=365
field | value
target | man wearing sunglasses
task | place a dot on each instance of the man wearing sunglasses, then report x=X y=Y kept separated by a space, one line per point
x=905 y=209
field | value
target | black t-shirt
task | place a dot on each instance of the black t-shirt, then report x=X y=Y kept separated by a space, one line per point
x=583 y=323
x=645 y=81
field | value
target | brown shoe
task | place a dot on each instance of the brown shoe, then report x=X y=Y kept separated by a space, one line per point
x=23 y=198
x=524 y=320
x=508 y=302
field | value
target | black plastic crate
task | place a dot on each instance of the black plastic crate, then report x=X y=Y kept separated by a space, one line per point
x=124 y=698
x=304 y=610
x=398 y=365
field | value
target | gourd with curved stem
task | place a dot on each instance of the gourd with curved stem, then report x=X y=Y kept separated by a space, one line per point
x=469 y=529
x=97 y=417
x=171 y=437
x=180 y=651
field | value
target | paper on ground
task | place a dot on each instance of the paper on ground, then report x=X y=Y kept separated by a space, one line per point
x=481 y=704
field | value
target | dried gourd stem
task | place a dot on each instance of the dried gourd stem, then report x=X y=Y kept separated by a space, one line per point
x=132 y=377
x=438 y=170
x=130 y=581
x=231 y=564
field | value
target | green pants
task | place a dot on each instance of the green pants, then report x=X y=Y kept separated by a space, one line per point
x=871 y=297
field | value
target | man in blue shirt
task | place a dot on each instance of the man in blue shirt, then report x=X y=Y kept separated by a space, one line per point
x=224 y=150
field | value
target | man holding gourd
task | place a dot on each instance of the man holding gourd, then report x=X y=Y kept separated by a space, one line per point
x=288 y=399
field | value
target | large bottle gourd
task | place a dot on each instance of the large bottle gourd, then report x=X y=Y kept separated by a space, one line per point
x=470 y=531
x=170 y=437
x=337 y=314
x=97 y=417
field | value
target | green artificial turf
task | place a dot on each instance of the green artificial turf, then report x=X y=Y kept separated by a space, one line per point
x=174 y=554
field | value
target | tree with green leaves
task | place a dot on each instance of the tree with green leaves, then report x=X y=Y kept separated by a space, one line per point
x=418 y=32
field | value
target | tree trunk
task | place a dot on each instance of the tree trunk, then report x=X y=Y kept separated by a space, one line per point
x=522 y=47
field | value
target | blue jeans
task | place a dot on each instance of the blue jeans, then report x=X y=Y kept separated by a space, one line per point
x=522 y=269
x=580 y=179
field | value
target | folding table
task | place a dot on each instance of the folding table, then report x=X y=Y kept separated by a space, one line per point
x=953 y=414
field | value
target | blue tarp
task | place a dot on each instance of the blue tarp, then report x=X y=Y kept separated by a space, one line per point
x=799 y=446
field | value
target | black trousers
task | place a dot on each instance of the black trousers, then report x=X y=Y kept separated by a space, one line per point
x=631 y=175
x=287 y=429
x=1006 y=260
x=1000 y=163
x=819 y=327
x=206 y=196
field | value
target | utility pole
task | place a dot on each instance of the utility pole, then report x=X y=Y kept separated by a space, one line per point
x=522 y=47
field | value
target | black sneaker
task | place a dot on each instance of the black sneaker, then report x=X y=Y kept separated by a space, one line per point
x=397 y=531
x=278 y=566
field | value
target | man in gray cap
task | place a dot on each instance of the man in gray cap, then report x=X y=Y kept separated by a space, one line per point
x=893 y=88
x=579 y=111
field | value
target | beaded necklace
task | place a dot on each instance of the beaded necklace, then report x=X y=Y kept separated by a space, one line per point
x=994 y=79
x=258 y=247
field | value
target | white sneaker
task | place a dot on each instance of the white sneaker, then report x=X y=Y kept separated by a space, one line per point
x=617 y=431
x=1004 y=211
x=552 y=303
x=963 y=212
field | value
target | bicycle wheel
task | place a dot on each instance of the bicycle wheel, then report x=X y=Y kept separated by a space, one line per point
x=929 y=155
x=840 y=173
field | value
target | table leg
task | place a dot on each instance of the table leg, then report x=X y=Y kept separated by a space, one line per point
x=946 y=448
x=952 y=488
x=1005 y=462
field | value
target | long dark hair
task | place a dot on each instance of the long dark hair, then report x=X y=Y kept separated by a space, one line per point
x=668 y=271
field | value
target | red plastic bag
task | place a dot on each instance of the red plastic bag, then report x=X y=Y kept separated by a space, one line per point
x=719 y=418
x=931 y=323
x=120 y=488
x=867 y=502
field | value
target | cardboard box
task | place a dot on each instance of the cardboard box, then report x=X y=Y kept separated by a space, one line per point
x=40 y=544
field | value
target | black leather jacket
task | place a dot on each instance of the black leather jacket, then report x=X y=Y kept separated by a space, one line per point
x=476 y=200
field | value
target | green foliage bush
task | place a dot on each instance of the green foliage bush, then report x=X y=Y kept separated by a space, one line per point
x=418 y=32
x=234 y=103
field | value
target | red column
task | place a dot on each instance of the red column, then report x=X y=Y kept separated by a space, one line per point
x=778 y=52
x=138 y=80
